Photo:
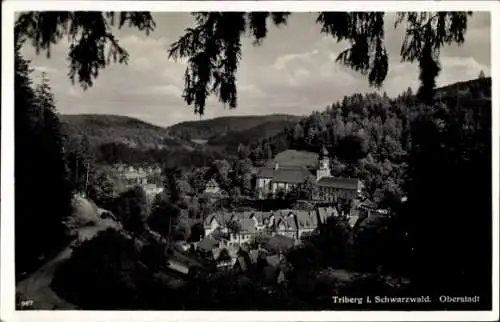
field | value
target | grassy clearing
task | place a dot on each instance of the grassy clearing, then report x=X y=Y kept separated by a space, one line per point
x=297 y=158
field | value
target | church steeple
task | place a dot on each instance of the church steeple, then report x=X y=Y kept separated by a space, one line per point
x=324 y=164
x=324 y=152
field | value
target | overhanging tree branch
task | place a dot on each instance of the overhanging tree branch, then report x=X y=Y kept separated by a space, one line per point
x=213 y=46
x=92 y=43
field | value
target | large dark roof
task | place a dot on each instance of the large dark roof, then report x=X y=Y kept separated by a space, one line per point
x=340 y=183
x=265 y=172
x=207 y=244
x=284 y=174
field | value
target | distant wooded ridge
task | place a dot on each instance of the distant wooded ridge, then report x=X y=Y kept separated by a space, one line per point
x=230 y=130
x=226 y=130
x=117 y=138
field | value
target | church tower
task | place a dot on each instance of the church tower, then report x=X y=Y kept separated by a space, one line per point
x=324 y=164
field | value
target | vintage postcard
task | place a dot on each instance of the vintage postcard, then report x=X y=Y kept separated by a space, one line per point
x=249 y=161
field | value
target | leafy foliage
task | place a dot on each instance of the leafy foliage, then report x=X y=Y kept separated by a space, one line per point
x=368 y=136
x=162 y=212
x=79 y=159
x=426 y=34
x=112 y=264
x=267 y=129
x=92 y=43
x=213 y=46
x=106 y=129
x=104 y=187
x=197 y=232
x=131 y=207
x=114 y=153
x=112 y=139
x=452 y=173
x=219 y=130
x=454 y=165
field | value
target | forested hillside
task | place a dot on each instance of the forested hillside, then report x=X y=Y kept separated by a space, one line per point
x=111 y=139
x=103 y=129
x=221 y=130
x=368 y=136
x=247 y=136
x=121 y=139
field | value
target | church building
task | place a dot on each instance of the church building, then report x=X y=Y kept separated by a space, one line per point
x=271 y=180
x=330 y=189
x=333 y=189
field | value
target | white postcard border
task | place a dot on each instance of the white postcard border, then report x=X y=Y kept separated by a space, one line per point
x=7 y=312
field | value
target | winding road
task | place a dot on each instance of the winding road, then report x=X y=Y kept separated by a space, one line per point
x=36 y=287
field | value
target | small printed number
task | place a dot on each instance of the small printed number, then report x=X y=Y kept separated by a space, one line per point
x=26 y=303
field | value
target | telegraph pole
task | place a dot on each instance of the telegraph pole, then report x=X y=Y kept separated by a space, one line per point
x=87 y=179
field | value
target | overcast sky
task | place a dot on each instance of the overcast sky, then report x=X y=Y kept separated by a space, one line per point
x=293 y=71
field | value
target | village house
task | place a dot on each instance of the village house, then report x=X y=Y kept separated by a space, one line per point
x=286 y=222
x=274 y=232
x=213 y=190
x=133 y=176
x=152 y=190
x=212 y=186
x=139 y=175
x=290 y=223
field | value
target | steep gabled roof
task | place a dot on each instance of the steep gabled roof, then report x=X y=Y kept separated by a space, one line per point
x=247 y=225
x=207 y=244
x=313 y=219
x=290 y=223
x=222 y=218
x=280 y=220
x=284 y=174
x=244 y=214
x=208 y=220
x=219 y=217
x=324 y=152
x=291 y=174
x=242 y=263
x=254 y=255
x=300 y=219
x=265 y=172
x=260 y=216
x=339 y=183
x=325 y=212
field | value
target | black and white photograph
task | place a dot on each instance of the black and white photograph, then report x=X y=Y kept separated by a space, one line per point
x=284 y=157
